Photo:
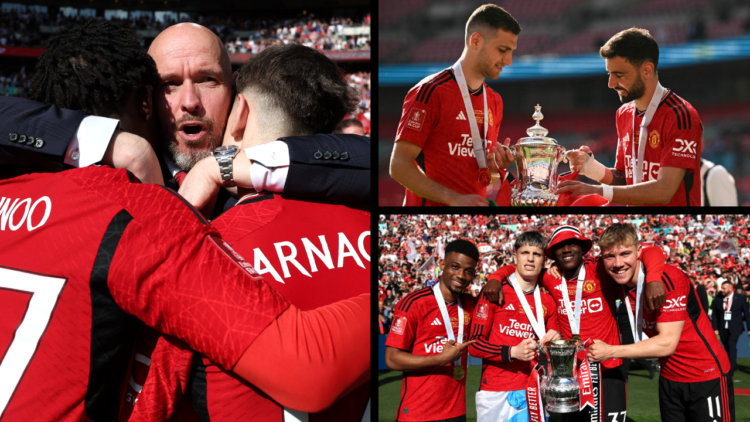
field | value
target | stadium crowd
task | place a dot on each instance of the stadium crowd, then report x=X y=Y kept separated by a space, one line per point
x=21 y=29
x=683 y=238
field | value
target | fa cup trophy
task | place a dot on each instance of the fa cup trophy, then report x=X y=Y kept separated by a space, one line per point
x=559 y=385
x=536 y=158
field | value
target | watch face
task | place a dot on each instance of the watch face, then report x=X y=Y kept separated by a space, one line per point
x=226 y=148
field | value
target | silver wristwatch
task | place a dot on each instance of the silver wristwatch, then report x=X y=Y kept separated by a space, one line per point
x=224 y=156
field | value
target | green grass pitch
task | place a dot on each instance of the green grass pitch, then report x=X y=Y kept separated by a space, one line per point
x=643 y=394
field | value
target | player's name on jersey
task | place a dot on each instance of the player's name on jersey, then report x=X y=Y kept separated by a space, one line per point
x=318 y=255
x=14 y=212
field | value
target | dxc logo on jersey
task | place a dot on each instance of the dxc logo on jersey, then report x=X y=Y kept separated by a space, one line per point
x=686 y=149
x=591 y=305
x=10 y=216
x=672 y=304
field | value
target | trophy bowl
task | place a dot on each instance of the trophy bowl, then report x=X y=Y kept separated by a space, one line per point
x=559 y=385
x=536 y=157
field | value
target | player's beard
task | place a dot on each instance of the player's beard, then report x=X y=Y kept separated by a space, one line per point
x=185 y=160
x=636 y=91
x=485 y=67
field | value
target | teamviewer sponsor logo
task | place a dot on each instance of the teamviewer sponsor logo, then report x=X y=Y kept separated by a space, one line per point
x=436 y=346
x=463 y=148
x=516 y=329
x=683 y=148
x=592 y=305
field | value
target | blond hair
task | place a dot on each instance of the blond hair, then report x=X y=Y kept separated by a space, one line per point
x=618 y=234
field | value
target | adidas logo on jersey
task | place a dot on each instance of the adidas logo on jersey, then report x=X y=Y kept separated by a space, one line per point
x=461 y=116
x=436 y=322
x=510 y=308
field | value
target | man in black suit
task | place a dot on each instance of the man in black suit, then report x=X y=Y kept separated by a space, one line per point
x=729 y=312
x=335 y=167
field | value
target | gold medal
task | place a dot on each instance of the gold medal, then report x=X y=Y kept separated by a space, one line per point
x=458 y=373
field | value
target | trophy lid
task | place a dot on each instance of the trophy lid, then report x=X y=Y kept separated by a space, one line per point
x=537 y=134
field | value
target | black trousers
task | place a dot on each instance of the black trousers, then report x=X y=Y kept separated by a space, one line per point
x=730 y=345
x=706 y=401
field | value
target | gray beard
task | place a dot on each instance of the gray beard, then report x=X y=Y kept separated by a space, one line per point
x=186 y=160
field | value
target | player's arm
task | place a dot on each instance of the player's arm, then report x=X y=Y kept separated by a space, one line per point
x=481 y=327
x=306 y=360
x=404 y=171
x=652 y=192
x=653 y=259
x=582 y=160
x=493 y=290
x=661 y=345
x=401 y=360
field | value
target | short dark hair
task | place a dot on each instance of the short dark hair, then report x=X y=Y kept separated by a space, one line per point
x=346 y=123
x=93 y=66
x=463 y=247
x=491 y=16
x=729 y=283
x=307 y=87
x=532 y=238
x=636 y=45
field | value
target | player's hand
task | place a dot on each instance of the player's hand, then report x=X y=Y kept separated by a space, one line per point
x=551 y=335
x=502 y=154
x=525 y=350
x=470 y=200
x=554 y=271
x=577 y=188
x=599 y=351
x=201 y=185
x=656 y=295
x=493 y=291
x=577 y=158
x=131 y=152
x=452 y=351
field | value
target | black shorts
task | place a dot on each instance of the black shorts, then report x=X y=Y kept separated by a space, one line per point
x=461 y=418
x=610 y=398
x=709 y=401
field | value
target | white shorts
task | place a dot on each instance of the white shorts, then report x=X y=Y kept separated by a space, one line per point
x=501 y=406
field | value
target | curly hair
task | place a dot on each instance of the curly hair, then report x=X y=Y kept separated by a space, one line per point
x=464 y=247
x=93 y=66
x=298 y=89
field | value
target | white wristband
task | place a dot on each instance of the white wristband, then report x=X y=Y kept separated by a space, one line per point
x=607 y=192
x=593 y=169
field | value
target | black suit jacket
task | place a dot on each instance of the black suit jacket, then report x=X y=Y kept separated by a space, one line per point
x=740 y=313
x=335 y=168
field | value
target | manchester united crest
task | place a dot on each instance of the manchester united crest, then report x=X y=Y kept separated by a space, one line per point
x=653 y=139
x=589 y=286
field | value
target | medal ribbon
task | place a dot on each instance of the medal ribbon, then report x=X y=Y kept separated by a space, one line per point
x=534 y=402
x=585 y=389
x=650 y=111
x=476 y=141
x=637 y=329
x=574 y=319
x=447 y=319
x=536 y=323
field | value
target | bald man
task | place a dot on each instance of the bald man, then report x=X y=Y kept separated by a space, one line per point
x=192 y=101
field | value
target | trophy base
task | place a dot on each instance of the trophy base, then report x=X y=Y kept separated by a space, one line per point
x=562 y=406
x=535 y=198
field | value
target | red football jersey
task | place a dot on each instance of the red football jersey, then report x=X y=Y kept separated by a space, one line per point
x=85 y=252
x=675 y=139
x=507 y=326
x=418 y=328
x=598 y=298
x=318 y=254
x=699 y=355
x=434 y=118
